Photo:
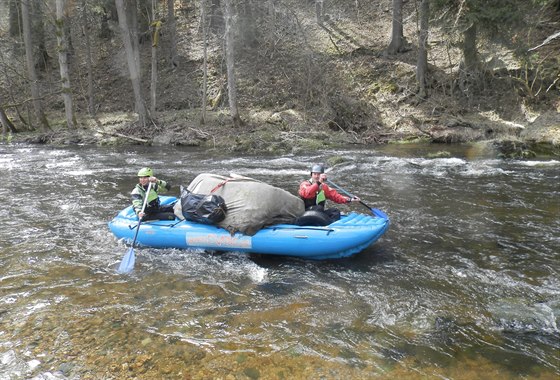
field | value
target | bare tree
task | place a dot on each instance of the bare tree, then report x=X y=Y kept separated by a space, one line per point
x=271 y=17
x=319 y=11
x=15 y=18
x=33 y=80
x=216 y=17
x=7 y=125
x=397 y=35
x=89 y=63
x=470 y=52
x=35 y=9
x=250 y=31
x=422 y=64
x=61 y=20
x=156 y=25
x=127 y=12
x=230 y=63
x=205 y=61
x=172 y=28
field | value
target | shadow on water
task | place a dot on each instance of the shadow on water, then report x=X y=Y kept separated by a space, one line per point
x=364 y=261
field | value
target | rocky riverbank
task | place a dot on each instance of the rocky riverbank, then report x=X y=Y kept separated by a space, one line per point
x=287 y=131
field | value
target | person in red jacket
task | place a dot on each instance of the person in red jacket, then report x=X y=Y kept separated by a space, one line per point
x=315 y=193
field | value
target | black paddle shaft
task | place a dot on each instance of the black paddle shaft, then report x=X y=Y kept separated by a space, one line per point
x=347 y=193
x=374 y=211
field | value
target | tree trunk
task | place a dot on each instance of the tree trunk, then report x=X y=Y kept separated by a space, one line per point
x=38 y=33
x=15 y=18
x=397 y=35
x=204 y=62
x=132 y=21
x=250 y=31
x=216 y=17
x=230 y=63
x=470 y=52
x=422 y=65
x=89 y=61
x=6 y=123
x=271 y=17
x=172 y=28
x=61 y=29
x=155 y=38
x=104 y=30
x=126 y=10
x=28 y=42
x=319 y=12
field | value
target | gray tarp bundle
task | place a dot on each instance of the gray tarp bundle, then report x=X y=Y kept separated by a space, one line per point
x=251 y=204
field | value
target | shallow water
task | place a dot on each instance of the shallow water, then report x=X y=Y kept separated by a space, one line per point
x=463 y=285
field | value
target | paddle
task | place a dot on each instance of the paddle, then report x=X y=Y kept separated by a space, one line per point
x=375 y=211
x=127 y=263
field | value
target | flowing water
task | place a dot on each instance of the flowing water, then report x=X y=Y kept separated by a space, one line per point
x=464 y=285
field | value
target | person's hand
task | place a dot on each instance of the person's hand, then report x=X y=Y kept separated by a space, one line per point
x=141 y=215
x=355 y=199
x=323 y=178
x=152 y=179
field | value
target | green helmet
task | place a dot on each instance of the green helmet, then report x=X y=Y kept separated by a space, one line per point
x=146 y=172
x=318 y=168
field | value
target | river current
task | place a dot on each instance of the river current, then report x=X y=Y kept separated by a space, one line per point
x=464 y=285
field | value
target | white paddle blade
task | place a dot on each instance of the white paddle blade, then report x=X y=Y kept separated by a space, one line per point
x=127 y=263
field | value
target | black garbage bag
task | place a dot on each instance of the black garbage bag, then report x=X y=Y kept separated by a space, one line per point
x=206 y=209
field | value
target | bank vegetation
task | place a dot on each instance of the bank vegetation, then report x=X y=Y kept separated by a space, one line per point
x=282 y=75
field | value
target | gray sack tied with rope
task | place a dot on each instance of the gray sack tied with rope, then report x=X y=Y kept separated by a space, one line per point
x=251 y=204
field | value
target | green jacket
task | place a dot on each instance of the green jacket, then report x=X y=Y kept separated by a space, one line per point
x=139 y=192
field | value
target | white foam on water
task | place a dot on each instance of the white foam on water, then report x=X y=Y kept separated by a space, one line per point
x=80 y=172
x=538 y=163
x=257 y=274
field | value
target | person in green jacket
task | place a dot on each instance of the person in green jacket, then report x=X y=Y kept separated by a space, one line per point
x=154 y=210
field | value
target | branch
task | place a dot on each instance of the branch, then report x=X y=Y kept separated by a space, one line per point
x=115 y=134
x=548 y=39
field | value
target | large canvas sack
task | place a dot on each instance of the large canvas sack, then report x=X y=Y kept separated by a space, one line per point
x=251 y=204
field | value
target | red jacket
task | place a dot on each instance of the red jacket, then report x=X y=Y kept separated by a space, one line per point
x=308 y=191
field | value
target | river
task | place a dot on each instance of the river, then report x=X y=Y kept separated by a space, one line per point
x=464 y=285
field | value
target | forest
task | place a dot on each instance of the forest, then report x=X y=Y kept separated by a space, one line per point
x=282 y=75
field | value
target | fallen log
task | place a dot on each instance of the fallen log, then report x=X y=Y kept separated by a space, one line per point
x=116 y=134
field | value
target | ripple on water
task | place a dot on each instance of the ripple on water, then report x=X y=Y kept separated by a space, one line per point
x=463 y=283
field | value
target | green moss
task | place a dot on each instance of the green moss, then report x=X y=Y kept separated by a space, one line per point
x=241 y=358
x=252 y=373
x=7 y=137
x=336 y=160
x=545 y=149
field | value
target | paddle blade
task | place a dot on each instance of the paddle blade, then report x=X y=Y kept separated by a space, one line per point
x=127 y=263
x=379 y=213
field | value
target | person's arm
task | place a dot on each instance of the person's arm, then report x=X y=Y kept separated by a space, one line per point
x=334 y=195
x=308 y=190
x=137 y=199
x=162 y=186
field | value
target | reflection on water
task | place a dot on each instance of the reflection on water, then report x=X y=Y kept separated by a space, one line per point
x=463 y=285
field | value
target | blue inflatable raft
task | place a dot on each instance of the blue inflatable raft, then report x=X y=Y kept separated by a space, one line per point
x=351 y=234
